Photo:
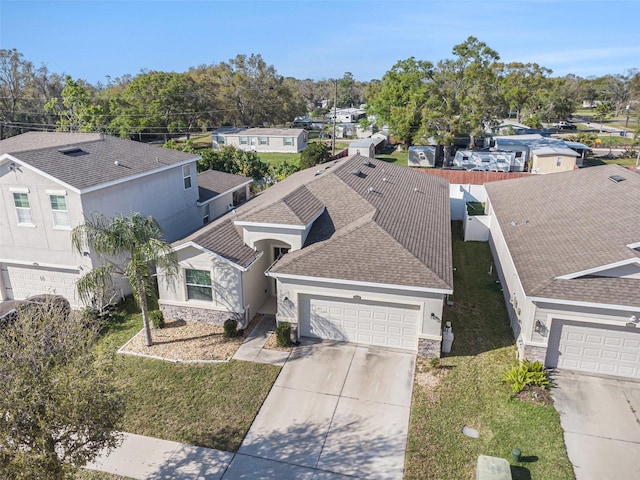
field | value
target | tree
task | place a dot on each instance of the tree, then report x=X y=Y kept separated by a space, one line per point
x=233 y=160
x=398 y=99
x=603 y=112
x=314 y=154
x=59 y=407
x=127 y=246
x=521 y=82
x=76 y=110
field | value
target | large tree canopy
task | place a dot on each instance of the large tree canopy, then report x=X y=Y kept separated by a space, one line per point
x=59 y=407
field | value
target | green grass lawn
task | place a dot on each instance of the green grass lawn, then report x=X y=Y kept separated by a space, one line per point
x=276 y=158
x=209 y=405
x=470 y=391
x=592 y=161
x=398 y=157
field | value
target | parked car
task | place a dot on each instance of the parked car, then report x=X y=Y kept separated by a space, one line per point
x=565 y=126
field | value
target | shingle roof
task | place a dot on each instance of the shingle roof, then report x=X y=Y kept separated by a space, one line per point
x=267 y=132
x=95 y=163
x=387 y=224
x=212 y=183
x=570 y=222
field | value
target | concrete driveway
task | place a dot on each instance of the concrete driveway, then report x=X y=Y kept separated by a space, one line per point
x=336 y=411
x=601 y=421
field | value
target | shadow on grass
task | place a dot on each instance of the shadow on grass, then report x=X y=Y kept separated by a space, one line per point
x=520 y=473
x=478 y=315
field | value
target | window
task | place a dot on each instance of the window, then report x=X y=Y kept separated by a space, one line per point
x=23 y=209
x=199 y=285
x=59 y=211
x=205 y=214
x=559 y=162
x=518 y=154
x=288 y=140
x=239 y=196
x=220 y=140
x=263 y=140
x=186 y=176
x=244 y=140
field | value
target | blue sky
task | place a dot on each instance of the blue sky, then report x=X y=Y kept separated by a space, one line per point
x=316 y=39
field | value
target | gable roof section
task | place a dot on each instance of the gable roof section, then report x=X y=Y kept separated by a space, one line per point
x=387 y=225
x=212 y=183
x=44 y=152
x=566 y=223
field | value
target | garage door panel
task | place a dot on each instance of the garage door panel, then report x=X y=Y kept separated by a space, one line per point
x=372 y=323
x=24 y=281
x=594 y=348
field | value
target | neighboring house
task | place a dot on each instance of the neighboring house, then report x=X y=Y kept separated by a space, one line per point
x=567 y=250
x=367 y=147
x=276 y=140
x=356 y=250
x=543 y=154
x=52 y=182
x=347 y=115
x=220 y=192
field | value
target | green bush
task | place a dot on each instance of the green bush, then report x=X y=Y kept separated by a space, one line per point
x=157 y=318
x=230 y=328
x=283 y=334
x=524 y=374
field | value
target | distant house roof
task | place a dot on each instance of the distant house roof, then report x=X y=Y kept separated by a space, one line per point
x=212 y=183
x=89 y=160
x=573 y=225
x=260 y=132
x=374 y=223
x=465 y=177
x=540 y=145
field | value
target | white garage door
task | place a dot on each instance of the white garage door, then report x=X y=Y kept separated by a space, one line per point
x=373 y=323
x=601 y=349
x=22 y=282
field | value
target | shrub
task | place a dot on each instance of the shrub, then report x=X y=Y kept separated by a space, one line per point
x=230 y=328
x=157 y=318
x=283 y=334
x=524 y=374
x=434 y=362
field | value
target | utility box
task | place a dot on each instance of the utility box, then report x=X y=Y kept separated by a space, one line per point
x=447 y=338
x=493 y=468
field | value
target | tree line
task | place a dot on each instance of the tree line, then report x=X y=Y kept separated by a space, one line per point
x=415 y=98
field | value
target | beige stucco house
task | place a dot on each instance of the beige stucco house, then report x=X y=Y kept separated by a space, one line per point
x=567 y=250
x=354 y=250
x=278 y=140
x=52 y=182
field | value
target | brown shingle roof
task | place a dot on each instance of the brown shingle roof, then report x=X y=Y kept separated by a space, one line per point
x=96 y=162
x=212 y=183
x=570 y=222
x=387 y=225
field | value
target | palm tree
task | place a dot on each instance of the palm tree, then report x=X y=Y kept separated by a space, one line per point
x=127 y=246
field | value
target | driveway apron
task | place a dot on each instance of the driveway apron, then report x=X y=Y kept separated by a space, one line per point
x=600 y=417
x=336 y=411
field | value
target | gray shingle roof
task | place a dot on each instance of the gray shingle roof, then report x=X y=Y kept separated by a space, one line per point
x=224 y=240
x=564 y=223
x=387 y=225
x=96 y=164
x=212 y=183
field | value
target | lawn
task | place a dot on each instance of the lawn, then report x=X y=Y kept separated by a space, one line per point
x=274 y=158
x=209 y=405
x=469 y=390
x=394 y=155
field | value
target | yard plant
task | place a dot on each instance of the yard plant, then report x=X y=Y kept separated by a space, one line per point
x=524 y=374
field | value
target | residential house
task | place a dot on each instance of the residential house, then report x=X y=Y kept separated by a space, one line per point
x=220 y=192
x=567 y=251
x=353 y=250
x=542 y=154
x=277 y=140
x=52 y=182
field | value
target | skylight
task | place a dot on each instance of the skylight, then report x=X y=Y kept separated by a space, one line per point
x=617 y=178
x=72 y=151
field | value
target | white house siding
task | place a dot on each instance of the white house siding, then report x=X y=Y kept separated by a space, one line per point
x=255 y=285
x=517 y=306
x=275 y=143
x=161 y=195
x=294 y=297
x=226 y=283
x=549 y=163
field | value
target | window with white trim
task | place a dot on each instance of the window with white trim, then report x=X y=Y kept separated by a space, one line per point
x=287 y=140
x=59 y=211
x=23 y=209
x=263 y=140
x=186 y=176
x=244 y=140
x=198 y=284
x=206 y=212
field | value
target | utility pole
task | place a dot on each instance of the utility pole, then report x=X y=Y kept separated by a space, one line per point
x=335 y=102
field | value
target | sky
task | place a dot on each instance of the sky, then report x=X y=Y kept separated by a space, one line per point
x=97 y=40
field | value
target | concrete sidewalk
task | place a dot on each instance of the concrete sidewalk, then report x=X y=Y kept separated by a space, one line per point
x=252 y=349
x=150 y=458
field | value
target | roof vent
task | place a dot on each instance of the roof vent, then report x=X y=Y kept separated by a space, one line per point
x=366 y=162
x=116 y=163
x=72 y=151
x=616 y=178
x=370 y=190
x=356 y=172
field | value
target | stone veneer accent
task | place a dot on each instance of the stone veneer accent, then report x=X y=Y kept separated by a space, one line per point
x=429 y=348
x=535 y=352
x=194 y=314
